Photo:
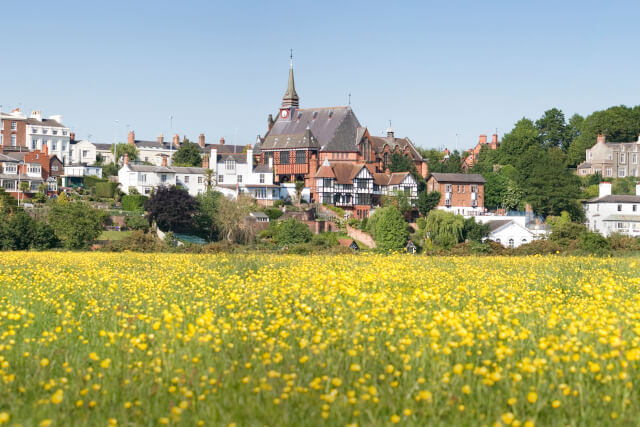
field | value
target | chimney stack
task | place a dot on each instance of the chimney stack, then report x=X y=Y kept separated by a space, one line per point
x=494 y=138
x=222 y=141
x=126 y=159
x=164 y=160
x=250 y=157
x=604 y=189
x=176 y=140
x=601 y=138
x=132 y=138
x=45 y=149
x=205 y=161
x=201 y=140
x=161 y=139
x=483 y=139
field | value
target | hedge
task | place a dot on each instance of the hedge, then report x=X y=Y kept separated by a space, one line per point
x=133 y=202
x=104 y=189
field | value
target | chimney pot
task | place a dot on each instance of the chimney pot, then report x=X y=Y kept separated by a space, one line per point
x=494 y=139
x=601 y=138
x=483 y=139
x=222 y=141
x=201 y=140
x=161 y=138
x=176 y=140
x=164 y=160
x=132 y=138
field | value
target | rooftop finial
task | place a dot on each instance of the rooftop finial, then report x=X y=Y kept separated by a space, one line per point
x=291 y=58
x=290 y=98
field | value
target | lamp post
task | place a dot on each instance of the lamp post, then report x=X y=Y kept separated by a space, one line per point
x=21 y=162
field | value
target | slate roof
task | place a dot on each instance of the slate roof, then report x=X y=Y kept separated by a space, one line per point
x=263 y=169
x=498 y=223
x=45 y=122
x=5 y=158
x=615 y=198
x=166 y=145
x=188 y=170
x=259 y=214
x=239 y=158
x=335 y=128
x=103 y=147
x=150 y=168
x=631 y=218
x=472 y=178
x=378 y=143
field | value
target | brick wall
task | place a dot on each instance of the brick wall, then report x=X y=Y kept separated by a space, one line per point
x=20 y=132
x=361 y=236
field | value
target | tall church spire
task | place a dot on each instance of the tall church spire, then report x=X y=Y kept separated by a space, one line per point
x=290 y=98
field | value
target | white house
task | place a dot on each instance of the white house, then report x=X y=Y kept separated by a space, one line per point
x=146 y=177
x=75 y=173
x=51 y=132
x=83 y=151
x=510 y=233
x=607 y=213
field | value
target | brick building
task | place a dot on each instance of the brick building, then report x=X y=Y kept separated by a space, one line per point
x=462 y=193
x=13 y=129
x=472 y=158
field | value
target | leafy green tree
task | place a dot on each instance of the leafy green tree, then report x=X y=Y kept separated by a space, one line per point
x=299 y=188
x=291 y=232
x=172 y=209
x=231 y=214
x=553 y=129
x=400 y=163
x=515 y=143
x=110 y=169
x=512 y=196
x=187 y=155
x=207 y=215
x=76 y=224
x=474 y=231
x=120 y=149
x=137 y=222
x=390 y=229
x=400 y=200
x=427 y=201
x=444 y=228
x=495 y=187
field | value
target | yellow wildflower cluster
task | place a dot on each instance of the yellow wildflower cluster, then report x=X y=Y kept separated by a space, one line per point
x=174 y=339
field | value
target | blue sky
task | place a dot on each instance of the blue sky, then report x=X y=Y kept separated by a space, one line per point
x=436 y=69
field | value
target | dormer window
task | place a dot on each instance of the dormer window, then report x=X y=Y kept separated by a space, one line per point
x=230 y=165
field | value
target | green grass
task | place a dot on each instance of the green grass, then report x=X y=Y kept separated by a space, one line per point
x=114 y=235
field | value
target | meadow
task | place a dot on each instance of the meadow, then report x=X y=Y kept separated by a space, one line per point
x=250 y=340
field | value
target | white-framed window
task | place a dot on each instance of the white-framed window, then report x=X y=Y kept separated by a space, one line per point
x=64 y=133
x=619 y=208
x=9 y=168
x=622 y=158
x=220 y=178
x=186 y=179
x=34 y=144
x=261 y=178
x=13 y=140
x=622 y=172
x=230 y=165
x=634 y=158
x=14 y=125
x=85 y=153
x=609 y=172
x=474 y=188
x=34 y=130
x=163 y=178
x=199 y=180
x=239 y=179
x=511 y=243
x=45 y=131
x=54 y=145
x=55 y=132
x=448 y=188
x=34 y=168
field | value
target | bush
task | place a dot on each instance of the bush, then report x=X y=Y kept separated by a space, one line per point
x=565 y=232
x=138 y=241
x=354 y=222
x=170 y=239
x=76 y=224
x=324 y=240
x=292 y=231
x=593 y=243
x=622 y=243
x=133 y=202
x=105 y=189
x=273 y=213
x=542 y=247
x=134 y=222
x=390 y=229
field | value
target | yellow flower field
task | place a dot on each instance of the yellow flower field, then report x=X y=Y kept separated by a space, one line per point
x=252 y=340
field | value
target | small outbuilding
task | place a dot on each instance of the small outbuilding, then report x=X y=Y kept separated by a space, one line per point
x=410 y=248
x=349 y=243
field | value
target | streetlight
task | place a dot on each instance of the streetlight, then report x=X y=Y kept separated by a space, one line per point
x=21 y=162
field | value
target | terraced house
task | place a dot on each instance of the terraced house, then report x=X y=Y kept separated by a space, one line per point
x=611 y=159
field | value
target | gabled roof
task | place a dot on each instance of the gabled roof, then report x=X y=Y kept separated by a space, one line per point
x=335 y=128
x=290 y=141
x=44 y=122
x=615 y=198
x=5 y=158
x=381 y=178
x=325 y=171
x=472 y=178
x=263 y=169
x=150 y=168
x=397 y=177
x=498 y=223
x=378 y=143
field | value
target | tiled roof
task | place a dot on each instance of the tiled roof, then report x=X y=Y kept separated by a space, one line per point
x=325 y=171
x=615 y=198
x=150 y=168
x=45 y=122
x=335 y=128
x=381 y=178
x=302 y=140
x=188 y=170
x=263 y=169
x=378 y=143
x=498 y=223
x=472 y=178
x=397 y=177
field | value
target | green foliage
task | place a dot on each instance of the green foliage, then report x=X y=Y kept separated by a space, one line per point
x=299 y=187
x=390 y=229
x=134 y=202
x=324 y=240
x=563 y=233
x=135 y=222
x=172 y=209
x=119 y=150
x=427 y=201
x=624 y=185
x=474 y=231
x=273 y=213
x=170 y=239
x=594 y=243
x=206 y=217
x=138 y=241
x=187 y=155
x=400 y=163
x=398 y=199
x=444 y=228
x=110 y=169
x=18 y=231
x=291 y=231
x=105 y=189
x=76 y=224
x=553 y=130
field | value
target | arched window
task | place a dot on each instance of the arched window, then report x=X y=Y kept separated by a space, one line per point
x=524 y=240
x=498 y=241
x=511 y=243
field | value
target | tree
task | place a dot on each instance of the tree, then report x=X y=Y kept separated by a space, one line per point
x=400 y=200
x=444 y=228
x=474 y=231
x=299 y=188
x=515 y=143
x=76 y=224
x=187 y=155
x=512 y=196
x=172 y=209
x=553 y=129
x=400 y=163
x=495 y=187
x=427 y=201
x=207 y=215
x=390 y=229
x=119 y=150
x=292 y=231
x=231 y=214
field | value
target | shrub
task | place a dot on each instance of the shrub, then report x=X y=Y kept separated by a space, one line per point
x=138 y=241
x=170 y=239
x=324 y=240
x=542 y=247
x=133 y=202
x=273 y=213
x=134 y=222
x=565 y=232
x=390 y=229
x=76 y=224
x=292 y=231
x=620 y=242
x=593 y=243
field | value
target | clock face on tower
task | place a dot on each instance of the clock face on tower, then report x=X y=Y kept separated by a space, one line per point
x=284 y=114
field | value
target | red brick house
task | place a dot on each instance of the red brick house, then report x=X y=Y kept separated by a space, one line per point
x=13 y=129
x=472 y=158
x=461 y=193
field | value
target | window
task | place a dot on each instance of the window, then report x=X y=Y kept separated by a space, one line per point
x=220 y=179
x=55 y=132
x=9 y=185
x=54 y=168
x=273 y=193
x=326 y=182
x=524 y=240
x=448 y=188
x=609 y=172
x=142 y=177
x=13 y=140
x=511 y=243
x=230 y=165
x=186 y=179
x=45 y=131
x=284 y=157
x=386 y=159
x=474 y=188
x=34 y=144
x=619 y=208
x=34 y=130
x=199 y=180
x=64 y=132
x=634 y=208
x=34 y=169
x=239 y=178
x=54 y=145
x=10 y=169
x=85 y=153
x=361 y=183
x=497 y=240
x=14 y=125
x=634 y=158
x=147 y=190
x=300 y=157
x=261 y=178
x=621 y=173
x=163 y=178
